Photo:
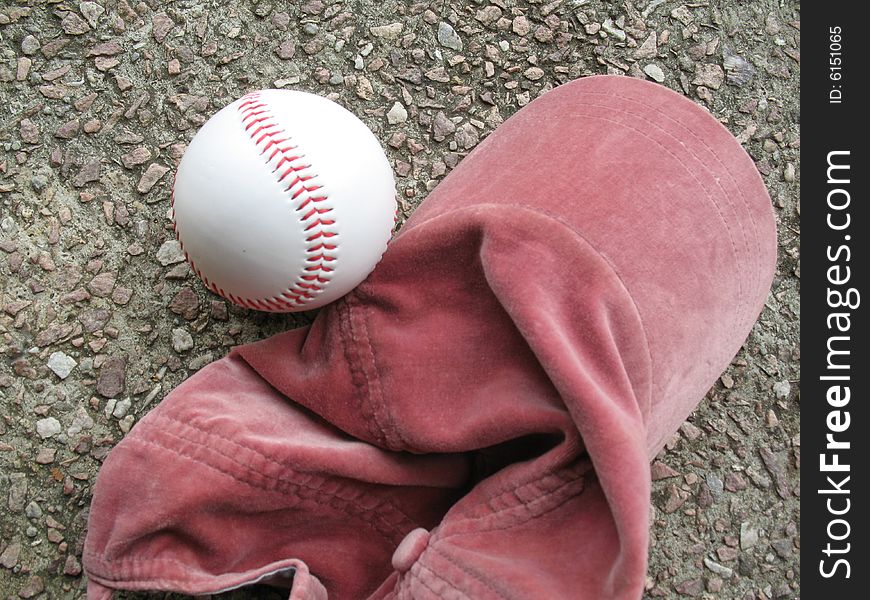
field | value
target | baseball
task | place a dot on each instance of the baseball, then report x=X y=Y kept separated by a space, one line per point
x=284 y=201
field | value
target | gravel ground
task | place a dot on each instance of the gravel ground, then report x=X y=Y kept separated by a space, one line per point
x=100 y=316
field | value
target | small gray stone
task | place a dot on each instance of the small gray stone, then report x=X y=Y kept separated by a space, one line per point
x=182 y=341
x=48 y=427
x=654 y=72
x=448 y=37
x=17 y=492
x=397 y=114
x=32 y=510
x=782 y=389
x=748 y=536
x=721 y=570
x=170 y=253
x=81 y=421
x=30 y=45
x=91 y=11
x=612 y=30
x=387 y=32
x=533 y=73
x=61 y=364
x=715 y=483
x=122 y=407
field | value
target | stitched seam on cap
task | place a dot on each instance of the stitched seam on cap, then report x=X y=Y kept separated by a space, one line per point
x=157 y=581
x=709 y=147
x=398 y=442
x=373 y=388
x=357 y=374
x=422 y=580
x=743 y=302
x=366 y=513
x=505 y=521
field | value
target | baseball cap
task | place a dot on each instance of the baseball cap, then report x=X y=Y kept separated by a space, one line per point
x=477 y=418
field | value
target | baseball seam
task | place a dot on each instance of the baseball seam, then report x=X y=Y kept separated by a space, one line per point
x=310 y=202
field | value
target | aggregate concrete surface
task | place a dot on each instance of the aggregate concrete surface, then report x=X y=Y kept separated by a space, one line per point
x=100 y=316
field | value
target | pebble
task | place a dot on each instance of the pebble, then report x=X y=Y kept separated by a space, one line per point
x=718 y=569
x=101 y=285
x=34 y=586
x=521 y=26
x=448 y=37
x=92 y=12
x=738 y=71
x=286 y=50
x=185 y=303
x=442 y=126
x=28 y=131
x=81 y=421
x=48 y=427
x=88 y=173
x=788 y=174
x=182 y=341
x=748 y=536
x=61 y=364
x=136 y=157
x=9 y=557
x=488 y=15
x=170 y=252
x=32 y=510
x=649 y=47
x=150 y=177
x=397 y=114
x=660 y=470
x=74 y=24
x=72 y=566
x=30 y=45
x=161 y=25
x=466 y=136
x=690 y=587
x=94 y=319
x=715 y=483
x=122 y=407
x=533 y=73
x=709 y=75
x=654 y=72
x=612 y=30
x=112 y=376
x=387 y=32
x=782 y=389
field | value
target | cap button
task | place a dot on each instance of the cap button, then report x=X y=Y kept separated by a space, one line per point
x=410 y=549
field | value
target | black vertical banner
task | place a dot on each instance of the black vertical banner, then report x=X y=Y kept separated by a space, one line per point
x=835 y=424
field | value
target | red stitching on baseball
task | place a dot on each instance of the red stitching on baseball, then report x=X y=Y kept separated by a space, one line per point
x=267 y=134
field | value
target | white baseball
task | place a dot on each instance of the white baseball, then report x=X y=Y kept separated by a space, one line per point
x=284 y=201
